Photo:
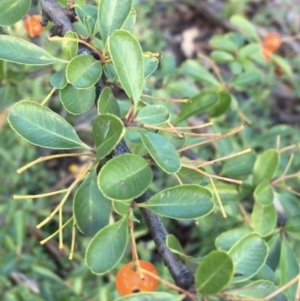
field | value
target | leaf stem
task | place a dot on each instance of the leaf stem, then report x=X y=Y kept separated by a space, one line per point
x=185 y=100
x=35 y=196
x=48 y=97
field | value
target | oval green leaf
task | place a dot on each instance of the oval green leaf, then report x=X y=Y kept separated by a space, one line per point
x=221 y=106
x=214 y=273
x=19 y=51
x=162 y=151
x=107 y=103
x=88 y=15
x=265 y=166
x=221 y=56
x=156 y=296
x=153 y=115
x=107 y=248
x=112 y=14
x=83 y=71
x=125 y=177
x=150 y=65
x=293 y=224
x=199 y=104
x=41 y=126
x=182 y=202
x=264 y=218
x=13 y=11
x=58 y=80
x=246 y=78
x=249 y=254
x=189 y=176
x=108 y=130
x=263 y=194
x=127 y=57
x=244 y=25
x=77 y=101
x=69 y=47
x=91 y=209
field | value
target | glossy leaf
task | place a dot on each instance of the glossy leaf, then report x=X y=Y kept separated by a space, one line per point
x=162 y=151
x=155 y=296
x=245 y=79
x=122 y=208
x=263 y=193
x=264 y=218
x=227 y=192
x=249 y=254
x=126 y=54
x=239 y=166
x=153 y=115
x=177 y=141
x=224 y=42
x=274 y=251
x=58 y=80
x=244 y=25
x=77 y=101
x=150 y=65
x=19 y=51
x=265 y=166
x=189 y=176
x=198 y=72
x=41 y=126
x=214 y=273
x=107 y=247
x=69 y=47
x=221 y=106
x=130 y=20
x=293 y=224
x=221 y=56
x=110 y=72
x=112 y=15
x=108 y=130
x=88 y=15
x=289 y=268
x=199 y=104
x=228 y=238
x=91 y=209
x=174 y=245
x=83 y=71
x=181 y=202
x=107 y=103
x=125 y=177
x=13 y=11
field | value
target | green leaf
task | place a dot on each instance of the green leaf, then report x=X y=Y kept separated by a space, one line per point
x=283 y=64
x=224 y=42
x=174 y=245
x=127 y=57
x=8 y=96
x=221 y=106
x=227 y=192
x=153 y=115
x=181 y=202
x=156 y=296
x=177 y=141
x=91 y=209
x=221 y=56
x=13 y=11
x=19 y=51
x=111 y=16
x=125 y=177
x=189 y=176
x=108 y=130
x=69 y=47
x=263 y=194
x=274 y=251
x=193 y=69
x=293 y=224
x=239 y=166
x=249 y=254
x=110 y=72
x=246 y=78
x=122 y=208
x=130 y=20
x=41 y=126
x=58 y=80
x=264 y=218
x=199 y=104
x=289 y=268
x=77 y=101
x=150 y=65
x=214 y=273
x=88 y=15
x=244 y=25
x=265 y=166
x=107 y=103
x=107 y=248
x=162 y=151
x=83 y=71
x=227 y=239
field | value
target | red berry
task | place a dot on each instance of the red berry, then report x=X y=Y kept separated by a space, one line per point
x=130 y=280
x=272 y=41
x=32 y=24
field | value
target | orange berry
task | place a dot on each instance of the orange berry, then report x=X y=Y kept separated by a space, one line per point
x=32 y=24
x=272 y=41
x=130 y=280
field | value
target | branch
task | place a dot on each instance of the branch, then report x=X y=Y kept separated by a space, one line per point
x=63 y=19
